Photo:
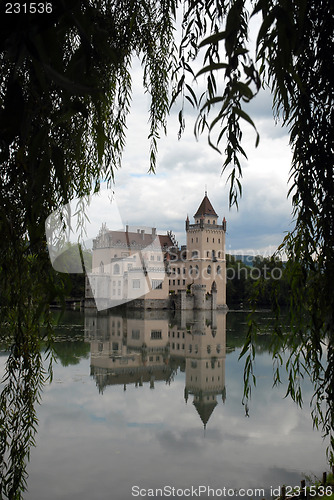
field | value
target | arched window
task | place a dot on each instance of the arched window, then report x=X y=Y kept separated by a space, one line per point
x=116 y=269
x=219 y=255
x=209 y=269
x=196 y=271
x=219 y=270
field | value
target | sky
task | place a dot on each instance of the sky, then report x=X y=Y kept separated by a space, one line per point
x=186 y=168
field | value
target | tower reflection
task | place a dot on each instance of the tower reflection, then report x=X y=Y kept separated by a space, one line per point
x=145 y=347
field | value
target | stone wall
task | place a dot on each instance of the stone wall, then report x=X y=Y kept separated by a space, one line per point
x=198 y=300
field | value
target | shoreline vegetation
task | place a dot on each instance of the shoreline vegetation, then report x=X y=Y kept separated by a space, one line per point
x=249 y=279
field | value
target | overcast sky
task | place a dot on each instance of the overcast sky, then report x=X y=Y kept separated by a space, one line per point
x=187 y=167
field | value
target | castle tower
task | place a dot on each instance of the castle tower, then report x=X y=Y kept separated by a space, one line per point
x=206 y=260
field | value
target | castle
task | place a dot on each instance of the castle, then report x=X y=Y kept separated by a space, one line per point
x=146 y=270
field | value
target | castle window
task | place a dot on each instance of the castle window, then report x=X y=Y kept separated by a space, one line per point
x=218 y=270
x=194 y=254
x=218 y=240
x=219 y=255
x=135 y=283
x=207 y=240
x=156 y=334
x=213 y=240
x=101 y=267
x=213 y=222
x=208 y=221
x=156 y=284
x=209 y=269
x=116 y=269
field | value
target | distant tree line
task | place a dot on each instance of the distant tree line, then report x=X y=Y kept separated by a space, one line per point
x=263 y=279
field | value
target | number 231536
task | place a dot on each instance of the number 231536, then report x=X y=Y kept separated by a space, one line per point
x=28 y=8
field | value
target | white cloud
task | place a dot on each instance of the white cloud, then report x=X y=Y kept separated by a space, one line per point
x=187 y=167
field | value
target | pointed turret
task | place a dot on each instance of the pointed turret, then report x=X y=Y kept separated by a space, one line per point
x=204 y=409
x=205 y=208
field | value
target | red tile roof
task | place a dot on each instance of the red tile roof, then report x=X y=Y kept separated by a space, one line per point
x=141 y=239
x=205 y=208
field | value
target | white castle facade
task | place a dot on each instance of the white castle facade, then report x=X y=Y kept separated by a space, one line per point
x=143 y=269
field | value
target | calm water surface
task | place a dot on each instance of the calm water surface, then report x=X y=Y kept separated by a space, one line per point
x=153 y=401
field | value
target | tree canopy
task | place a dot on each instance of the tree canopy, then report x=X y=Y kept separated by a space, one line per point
x=65 y=92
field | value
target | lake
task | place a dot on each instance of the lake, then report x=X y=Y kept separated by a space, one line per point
x=153 y=400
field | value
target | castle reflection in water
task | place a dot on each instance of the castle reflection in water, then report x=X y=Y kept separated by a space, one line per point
x=144 y=347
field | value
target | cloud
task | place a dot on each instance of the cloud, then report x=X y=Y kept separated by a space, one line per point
x=187 y=167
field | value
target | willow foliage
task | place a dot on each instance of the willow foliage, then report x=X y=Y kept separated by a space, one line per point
x=65 y=93
x=294 y=48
